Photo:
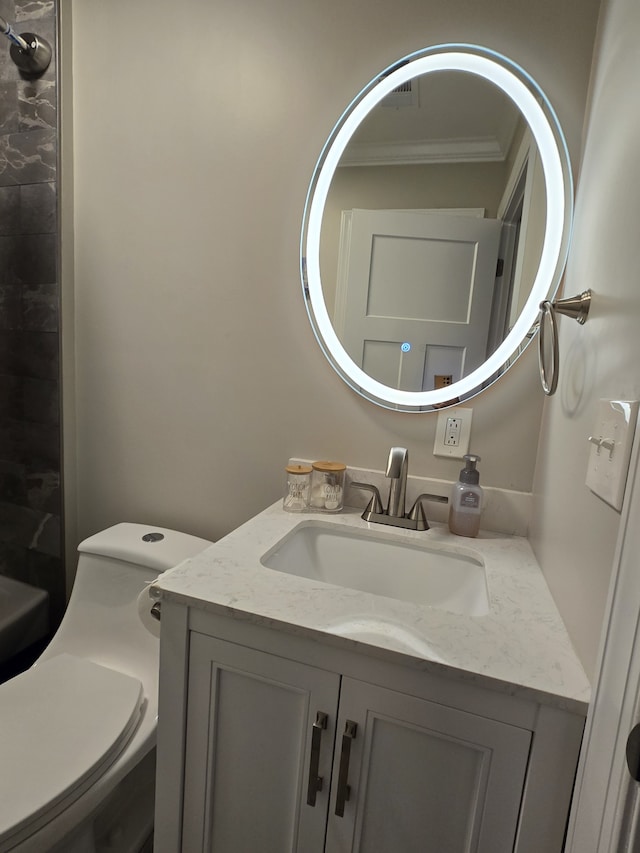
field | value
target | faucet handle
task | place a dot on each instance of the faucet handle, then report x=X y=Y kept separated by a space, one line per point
x=375 y=504
x=417 y=513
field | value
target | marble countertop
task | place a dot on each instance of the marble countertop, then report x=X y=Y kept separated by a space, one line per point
x=521 y=646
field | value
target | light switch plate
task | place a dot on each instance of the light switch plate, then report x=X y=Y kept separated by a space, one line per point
x=453 y=432
x=610 y=452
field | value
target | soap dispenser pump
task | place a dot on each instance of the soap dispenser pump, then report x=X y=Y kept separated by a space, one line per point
x=465 y=506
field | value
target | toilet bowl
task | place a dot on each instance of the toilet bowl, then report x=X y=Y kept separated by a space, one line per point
x=77 y=730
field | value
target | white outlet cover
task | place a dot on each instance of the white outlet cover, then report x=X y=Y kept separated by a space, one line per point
x=439 y=447
x=610 y=452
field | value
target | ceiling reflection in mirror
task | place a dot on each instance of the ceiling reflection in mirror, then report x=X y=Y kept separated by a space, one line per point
x=433 y=230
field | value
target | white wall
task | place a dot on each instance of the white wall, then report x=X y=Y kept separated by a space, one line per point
x=575 y=532
x=196 y=131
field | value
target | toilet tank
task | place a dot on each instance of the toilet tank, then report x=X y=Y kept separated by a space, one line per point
x=143 y=545
x=101 y=621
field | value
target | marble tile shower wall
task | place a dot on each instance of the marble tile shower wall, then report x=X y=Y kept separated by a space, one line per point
x=30 y=500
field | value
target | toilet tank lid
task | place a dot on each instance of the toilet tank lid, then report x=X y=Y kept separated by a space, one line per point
x=155 y=548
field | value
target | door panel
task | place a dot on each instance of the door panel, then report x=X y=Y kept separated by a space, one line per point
x=247 y=790
x=455 y=774
x=422 y=279
x=425 y=778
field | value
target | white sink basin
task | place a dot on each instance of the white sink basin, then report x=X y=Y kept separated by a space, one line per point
x=383 y=565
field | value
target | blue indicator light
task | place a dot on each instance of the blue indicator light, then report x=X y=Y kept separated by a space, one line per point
x=405 y=347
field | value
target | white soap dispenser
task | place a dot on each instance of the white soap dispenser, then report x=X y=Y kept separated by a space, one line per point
x=466 y=502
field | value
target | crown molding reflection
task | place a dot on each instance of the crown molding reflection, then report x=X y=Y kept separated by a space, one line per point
x=424 y=152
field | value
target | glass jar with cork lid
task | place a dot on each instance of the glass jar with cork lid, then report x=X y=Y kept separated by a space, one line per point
x=298 y=489
x=327 y=486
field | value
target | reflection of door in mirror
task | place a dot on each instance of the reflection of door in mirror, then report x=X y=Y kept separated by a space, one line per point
x=414 y=294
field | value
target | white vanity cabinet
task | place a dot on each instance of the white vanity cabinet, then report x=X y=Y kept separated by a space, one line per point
x=405 y=774
x=271 y=742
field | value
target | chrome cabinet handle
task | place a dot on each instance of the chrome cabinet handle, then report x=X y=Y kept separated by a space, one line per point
x=315 y=781
x=344 y=791
x=632 y=752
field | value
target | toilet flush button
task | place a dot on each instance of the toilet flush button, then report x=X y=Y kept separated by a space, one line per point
x=610 y=452
x=153 y=537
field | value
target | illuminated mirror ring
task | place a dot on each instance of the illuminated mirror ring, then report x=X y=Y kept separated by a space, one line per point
x=544 y=126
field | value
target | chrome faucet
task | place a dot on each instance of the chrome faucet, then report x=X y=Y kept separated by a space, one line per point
x=397 y=467
x=395 y=513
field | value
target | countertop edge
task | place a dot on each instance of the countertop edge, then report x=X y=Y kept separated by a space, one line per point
x=556 y=700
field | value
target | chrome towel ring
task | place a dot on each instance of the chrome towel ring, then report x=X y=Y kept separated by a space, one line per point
x=576 y=307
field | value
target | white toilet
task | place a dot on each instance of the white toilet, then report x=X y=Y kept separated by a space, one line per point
x=77 y=730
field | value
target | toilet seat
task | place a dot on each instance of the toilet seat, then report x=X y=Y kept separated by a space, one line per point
x=62 y=723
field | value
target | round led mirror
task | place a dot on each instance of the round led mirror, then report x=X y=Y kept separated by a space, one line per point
x=437 y=221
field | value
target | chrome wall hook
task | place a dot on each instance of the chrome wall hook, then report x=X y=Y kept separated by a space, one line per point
x=30 y=53
x=574 y=306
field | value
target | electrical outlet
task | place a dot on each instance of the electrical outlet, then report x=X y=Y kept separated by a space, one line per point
x=442 y=380
x=453 y=432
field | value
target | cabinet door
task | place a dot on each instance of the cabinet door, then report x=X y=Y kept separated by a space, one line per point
x=250 y=774
x=423 y=778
